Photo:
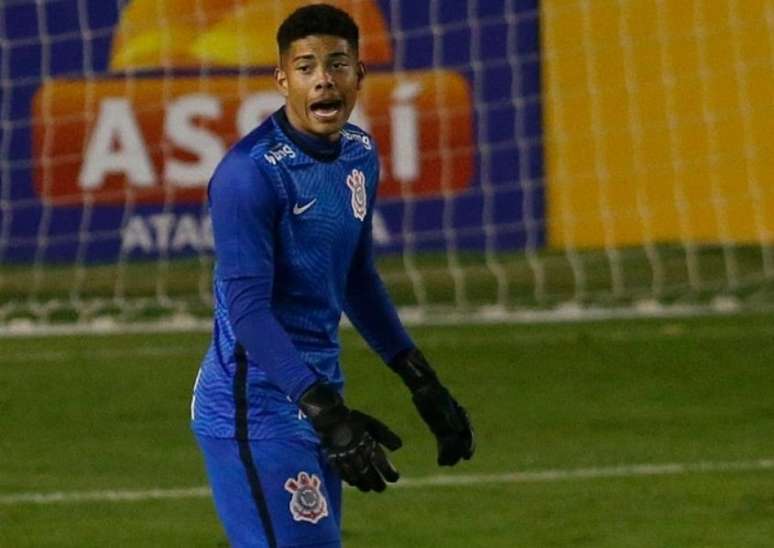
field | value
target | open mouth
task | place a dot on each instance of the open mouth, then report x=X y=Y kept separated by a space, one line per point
x=326 y=109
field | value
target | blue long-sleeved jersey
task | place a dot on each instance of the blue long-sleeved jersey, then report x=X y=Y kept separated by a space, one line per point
x=292 y=226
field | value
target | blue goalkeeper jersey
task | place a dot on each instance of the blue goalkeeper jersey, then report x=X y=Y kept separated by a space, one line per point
x=293 y=249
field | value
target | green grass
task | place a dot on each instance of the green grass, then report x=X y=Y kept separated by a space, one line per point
x=138 y=290
x=111 y=413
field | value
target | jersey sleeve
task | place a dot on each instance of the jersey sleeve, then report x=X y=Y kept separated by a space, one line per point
x=368 y=305
x=244 y=211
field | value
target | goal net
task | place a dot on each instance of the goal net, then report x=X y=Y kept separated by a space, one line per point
x=553 y=157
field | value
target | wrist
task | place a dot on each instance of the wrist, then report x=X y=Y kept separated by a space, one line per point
x=413 y=369
x=323 y=405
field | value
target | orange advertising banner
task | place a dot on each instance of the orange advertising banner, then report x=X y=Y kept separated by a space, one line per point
x=157 y=141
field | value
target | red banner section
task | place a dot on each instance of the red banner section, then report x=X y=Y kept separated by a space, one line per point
x=153 y=141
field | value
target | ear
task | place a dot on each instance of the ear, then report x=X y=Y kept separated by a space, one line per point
x=281 y=81
x=361 y=74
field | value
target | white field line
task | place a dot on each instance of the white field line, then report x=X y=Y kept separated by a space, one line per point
x=675 y=330
x=411 y=316
x=450 y=480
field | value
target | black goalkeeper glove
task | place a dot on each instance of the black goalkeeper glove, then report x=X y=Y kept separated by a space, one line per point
x=446 y=418
x=352 y=440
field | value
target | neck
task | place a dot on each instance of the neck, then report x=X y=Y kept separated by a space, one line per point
x=325 y=149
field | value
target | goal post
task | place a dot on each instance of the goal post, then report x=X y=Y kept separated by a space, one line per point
x=538 y=159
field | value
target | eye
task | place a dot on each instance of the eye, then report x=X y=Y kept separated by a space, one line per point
x=340 y=65
x=303 y=68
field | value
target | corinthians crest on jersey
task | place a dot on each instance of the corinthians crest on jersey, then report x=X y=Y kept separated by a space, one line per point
x=307 y=502
x=356 y=183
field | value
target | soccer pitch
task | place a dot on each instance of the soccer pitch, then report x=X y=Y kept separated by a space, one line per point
x=637 y=433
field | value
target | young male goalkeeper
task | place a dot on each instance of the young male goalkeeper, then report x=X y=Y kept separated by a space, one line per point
x=291 y=206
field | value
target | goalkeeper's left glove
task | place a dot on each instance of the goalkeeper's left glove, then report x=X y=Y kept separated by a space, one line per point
x=446 y=418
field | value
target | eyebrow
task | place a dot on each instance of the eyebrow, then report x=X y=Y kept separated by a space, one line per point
x=308 y=56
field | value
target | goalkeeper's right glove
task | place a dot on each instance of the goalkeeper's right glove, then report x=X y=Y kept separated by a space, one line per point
x=352 y=440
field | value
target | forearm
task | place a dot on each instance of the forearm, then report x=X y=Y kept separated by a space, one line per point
x=373 y=314
x=264 y=339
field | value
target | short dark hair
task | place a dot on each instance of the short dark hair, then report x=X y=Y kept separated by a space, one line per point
x=317 y=19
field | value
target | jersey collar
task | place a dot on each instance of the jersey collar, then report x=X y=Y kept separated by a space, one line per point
x=318 y=149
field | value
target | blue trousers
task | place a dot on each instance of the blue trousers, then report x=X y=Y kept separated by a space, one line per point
x=273 y=493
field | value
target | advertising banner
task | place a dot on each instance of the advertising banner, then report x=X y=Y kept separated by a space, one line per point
x=115 y=115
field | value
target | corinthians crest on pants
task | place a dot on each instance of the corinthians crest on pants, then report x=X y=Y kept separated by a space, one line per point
x=307 y=502
x=356 y=183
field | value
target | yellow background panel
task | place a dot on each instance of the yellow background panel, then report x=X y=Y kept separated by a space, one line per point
x=156 y=34
x=659 y=121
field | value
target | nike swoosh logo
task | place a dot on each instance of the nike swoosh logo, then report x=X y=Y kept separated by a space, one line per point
x=299 y=209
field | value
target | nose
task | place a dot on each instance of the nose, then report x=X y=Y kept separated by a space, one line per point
x=324 y=80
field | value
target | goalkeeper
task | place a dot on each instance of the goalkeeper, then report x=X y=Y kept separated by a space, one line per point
x=292 y=206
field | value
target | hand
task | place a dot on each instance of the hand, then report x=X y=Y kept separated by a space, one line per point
x=352 y=440
x=446 y=418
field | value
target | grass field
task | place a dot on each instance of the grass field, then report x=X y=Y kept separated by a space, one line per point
x=568 y=417
x=145 y=290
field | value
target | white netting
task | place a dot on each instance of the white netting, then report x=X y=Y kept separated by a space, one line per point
x=657 y=116
x=562 y=156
